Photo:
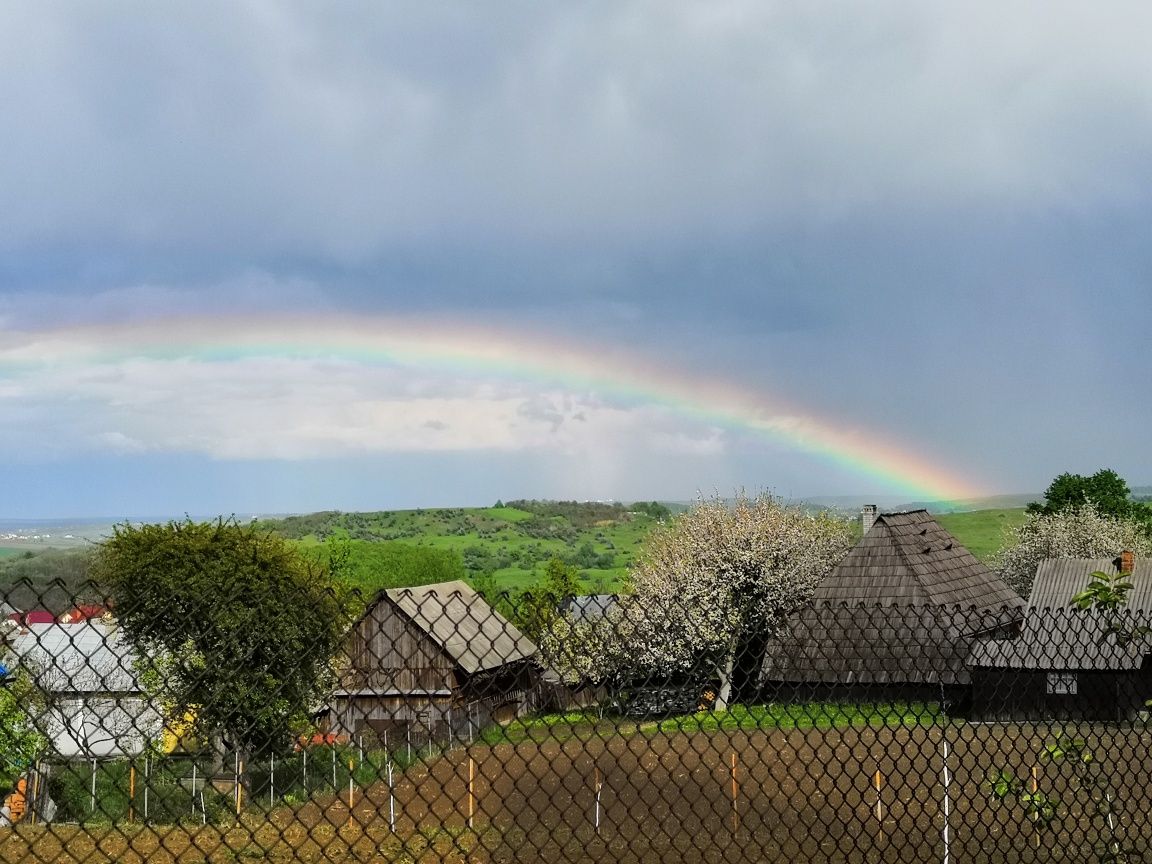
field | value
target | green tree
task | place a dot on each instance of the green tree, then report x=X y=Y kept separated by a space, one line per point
x=370 y=566
x=1105 y=490
x=651 y=508
x=21 y=741
x=234 y=626
x=537 y=608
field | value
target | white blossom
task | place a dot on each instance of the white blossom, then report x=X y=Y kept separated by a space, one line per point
x=1083 y=533
x=704 y=581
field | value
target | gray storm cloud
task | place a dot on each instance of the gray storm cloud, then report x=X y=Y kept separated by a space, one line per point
x=261 y=126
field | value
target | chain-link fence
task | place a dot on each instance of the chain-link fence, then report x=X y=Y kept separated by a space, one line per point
x=448 y=728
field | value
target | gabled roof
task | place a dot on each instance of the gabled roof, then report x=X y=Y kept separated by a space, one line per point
x=471 y=632
x=900 y=608
x=908 y=559
x=837 y=644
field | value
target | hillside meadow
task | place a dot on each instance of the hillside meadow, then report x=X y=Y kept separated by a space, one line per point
x=983 y=532
x=511 y=544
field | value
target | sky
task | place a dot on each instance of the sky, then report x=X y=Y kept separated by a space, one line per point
x=284 y=256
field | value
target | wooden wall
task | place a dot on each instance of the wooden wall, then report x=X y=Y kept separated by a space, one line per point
x=387 y=652
x=1013 y=694
x=415 y=690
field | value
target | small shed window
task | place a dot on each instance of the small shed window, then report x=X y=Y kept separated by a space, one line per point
x=1062 y=683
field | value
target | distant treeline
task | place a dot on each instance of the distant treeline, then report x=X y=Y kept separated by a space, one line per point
x=51 y=579
x=586 y=514
x=548 y=520
x=481 y=560
x=397 y=548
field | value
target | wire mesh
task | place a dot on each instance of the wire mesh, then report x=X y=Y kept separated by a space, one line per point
x=451 y=728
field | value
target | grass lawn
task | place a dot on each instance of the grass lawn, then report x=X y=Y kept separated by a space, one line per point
x=814 y=715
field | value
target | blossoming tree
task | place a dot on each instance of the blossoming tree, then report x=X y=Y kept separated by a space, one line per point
x=709 y=587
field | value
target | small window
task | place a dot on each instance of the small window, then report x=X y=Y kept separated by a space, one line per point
x=1062 y=683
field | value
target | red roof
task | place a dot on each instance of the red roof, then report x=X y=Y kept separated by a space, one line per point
x=82 y=613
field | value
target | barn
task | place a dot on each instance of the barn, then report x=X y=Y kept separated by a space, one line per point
x=431 y=663
x=1061 y=662
x=894 y=618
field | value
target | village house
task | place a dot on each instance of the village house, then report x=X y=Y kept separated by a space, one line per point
x=894 y=618
x=1062 y=662
x=95 y=706
x=431 y=663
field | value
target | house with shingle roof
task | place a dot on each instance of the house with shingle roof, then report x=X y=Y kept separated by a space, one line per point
x=1064 y=662
x=431 y=663
x=896 y=613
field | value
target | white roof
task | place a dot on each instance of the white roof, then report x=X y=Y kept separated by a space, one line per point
x=88 y=657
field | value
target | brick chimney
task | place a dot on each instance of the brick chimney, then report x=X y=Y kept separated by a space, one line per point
x=1127 y=561
x=868 y=517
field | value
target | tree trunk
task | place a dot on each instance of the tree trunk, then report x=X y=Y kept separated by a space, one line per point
x=219 y=753
x=725 y=694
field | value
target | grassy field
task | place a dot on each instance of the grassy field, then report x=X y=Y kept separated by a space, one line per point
x=982 y=532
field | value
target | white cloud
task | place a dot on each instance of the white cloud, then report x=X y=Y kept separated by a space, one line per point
x=267 y=408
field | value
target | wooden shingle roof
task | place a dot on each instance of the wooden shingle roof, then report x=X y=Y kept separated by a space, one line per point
x=473 y=634
x=908 y=559
x=837 y=644
x=1068 y=640
x=899 y=608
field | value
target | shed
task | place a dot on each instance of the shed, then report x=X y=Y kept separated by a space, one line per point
x=1062 y=662
x=893 y=617
x=431 y=663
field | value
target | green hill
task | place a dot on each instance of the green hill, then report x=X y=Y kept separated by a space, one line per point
x=509 y=543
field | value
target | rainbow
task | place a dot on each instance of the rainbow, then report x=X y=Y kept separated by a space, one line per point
x=484 y=351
